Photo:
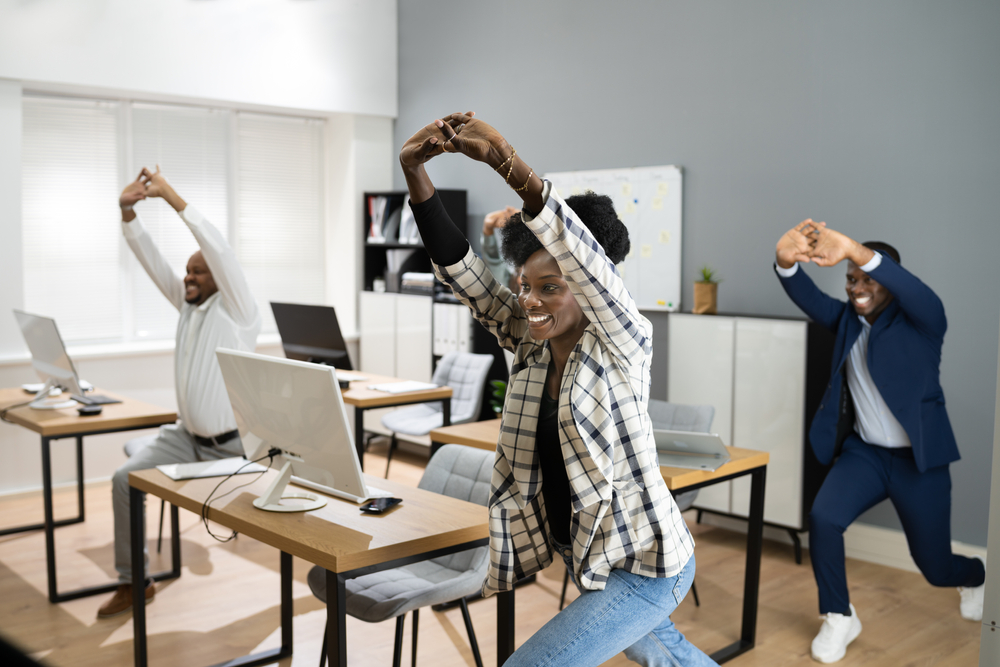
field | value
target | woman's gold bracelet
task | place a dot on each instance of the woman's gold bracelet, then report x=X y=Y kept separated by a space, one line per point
x=528 y=180
x=507 y=160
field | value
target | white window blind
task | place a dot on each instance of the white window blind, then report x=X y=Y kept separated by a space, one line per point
x=77 y=156
x=279 y=231
x=70 y=225
x=191 y=146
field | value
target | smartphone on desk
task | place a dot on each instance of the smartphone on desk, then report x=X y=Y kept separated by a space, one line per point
x=380 y=505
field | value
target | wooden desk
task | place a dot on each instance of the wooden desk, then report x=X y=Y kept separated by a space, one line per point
x=484 y=435
x=129 y=415
x=337 y=537
x=363 y=398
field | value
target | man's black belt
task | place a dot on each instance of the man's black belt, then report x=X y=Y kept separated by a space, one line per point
x=217 y=440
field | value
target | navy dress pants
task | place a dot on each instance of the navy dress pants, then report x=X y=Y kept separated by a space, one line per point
x=863 y=476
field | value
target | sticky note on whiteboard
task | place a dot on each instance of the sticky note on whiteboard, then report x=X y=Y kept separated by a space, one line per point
x=662 y=188
x=630 y=207
x=626 y=189
x=664 y=236
x=657 y=203
x=575 y=190
x=646 y=251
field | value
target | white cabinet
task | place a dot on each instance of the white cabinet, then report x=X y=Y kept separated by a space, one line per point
x=395 y=341
x=700 y=371
x=753 y=370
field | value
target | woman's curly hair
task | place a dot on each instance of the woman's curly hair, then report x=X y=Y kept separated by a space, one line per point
x=597 y=212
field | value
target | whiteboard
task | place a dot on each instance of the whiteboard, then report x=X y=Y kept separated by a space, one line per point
x=648 y=201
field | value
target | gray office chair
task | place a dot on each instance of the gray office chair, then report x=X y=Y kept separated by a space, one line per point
x=466 y=374
x=131 y=448
x=456 y=471
x=672 y=417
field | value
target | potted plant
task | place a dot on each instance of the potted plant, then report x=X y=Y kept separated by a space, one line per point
x=497 y=396
x=706 y=292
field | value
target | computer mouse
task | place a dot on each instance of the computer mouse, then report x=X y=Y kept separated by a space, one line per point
x=89 y=410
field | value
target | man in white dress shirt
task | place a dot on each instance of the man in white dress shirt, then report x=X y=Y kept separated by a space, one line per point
x=216 y=310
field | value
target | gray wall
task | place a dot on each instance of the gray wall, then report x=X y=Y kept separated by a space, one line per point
x=879 y=118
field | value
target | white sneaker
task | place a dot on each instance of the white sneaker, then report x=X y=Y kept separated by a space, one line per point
x=837 y=632
x=971 y=605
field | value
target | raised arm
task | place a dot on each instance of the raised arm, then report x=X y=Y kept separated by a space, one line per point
x=142 y=245
x=918 y=301
x=492 y=304
x=595 y=282
x=219 y=255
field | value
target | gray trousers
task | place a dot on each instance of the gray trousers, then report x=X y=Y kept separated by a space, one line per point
x=173 y=444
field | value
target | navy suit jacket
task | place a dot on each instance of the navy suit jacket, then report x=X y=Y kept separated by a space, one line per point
x=904 y=357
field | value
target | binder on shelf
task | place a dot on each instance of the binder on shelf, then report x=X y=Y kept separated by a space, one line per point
x=390 y=229
x=408 y=232
x=376 y=211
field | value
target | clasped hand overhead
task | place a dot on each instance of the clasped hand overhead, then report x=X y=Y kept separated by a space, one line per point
x=149 y=184
x=455 y=133
x=811 y=241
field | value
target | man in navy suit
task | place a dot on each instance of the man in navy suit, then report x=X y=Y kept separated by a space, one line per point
x=882 y=422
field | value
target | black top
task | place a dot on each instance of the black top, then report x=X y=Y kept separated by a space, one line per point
x=555 y=482
x=444 y=242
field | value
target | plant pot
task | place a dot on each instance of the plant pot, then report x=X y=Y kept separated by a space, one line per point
x=706 y=298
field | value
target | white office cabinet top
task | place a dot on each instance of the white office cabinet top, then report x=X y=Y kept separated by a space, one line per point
x=378 y=333
x=768 y=412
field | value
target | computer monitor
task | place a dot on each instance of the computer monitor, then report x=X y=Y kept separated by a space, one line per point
x=311 y=333
x=296 y=408
x=49 y=359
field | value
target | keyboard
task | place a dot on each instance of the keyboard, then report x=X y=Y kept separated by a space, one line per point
x=94 y=399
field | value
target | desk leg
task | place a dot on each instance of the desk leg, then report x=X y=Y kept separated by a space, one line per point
x=79 y=476
x=50 y=536
x=755 y=544
x=336 y=619
x=446 y=412
x=137 y=517
x=505 y=626
x=751 y=577
x=287 y=610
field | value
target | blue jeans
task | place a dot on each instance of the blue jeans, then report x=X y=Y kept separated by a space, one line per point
x=631 y=614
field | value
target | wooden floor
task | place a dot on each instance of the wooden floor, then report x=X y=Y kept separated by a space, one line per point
x=226 y=603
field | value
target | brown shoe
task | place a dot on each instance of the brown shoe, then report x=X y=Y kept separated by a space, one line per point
x=121 y=601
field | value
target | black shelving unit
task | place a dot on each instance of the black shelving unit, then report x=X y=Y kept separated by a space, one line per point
x=375 y=262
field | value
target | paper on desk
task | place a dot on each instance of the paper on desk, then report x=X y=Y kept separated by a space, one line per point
x=402 y=387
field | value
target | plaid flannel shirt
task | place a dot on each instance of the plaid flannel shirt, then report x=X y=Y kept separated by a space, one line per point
x=623 y=515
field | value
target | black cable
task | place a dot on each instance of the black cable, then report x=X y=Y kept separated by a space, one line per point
x=3 y=413
x=204 y=506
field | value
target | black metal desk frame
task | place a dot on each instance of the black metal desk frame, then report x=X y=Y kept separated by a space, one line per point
x=336 y=606
x=50 y=524
x=751 y=577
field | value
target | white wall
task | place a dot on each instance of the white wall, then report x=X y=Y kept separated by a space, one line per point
x=12 y=291
x=332 y=58
x=325 y=55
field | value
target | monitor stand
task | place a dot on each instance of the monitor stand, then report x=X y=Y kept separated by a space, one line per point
x=44 y=402
x=271 y=499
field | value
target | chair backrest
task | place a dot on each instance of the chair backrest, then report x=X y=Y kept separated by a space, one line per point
x=680 y=417
x=461 y=472
x=465 y=373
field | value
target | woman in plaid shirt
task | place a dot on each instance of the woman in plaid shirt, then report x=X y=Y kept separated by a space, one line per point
x=576 y=472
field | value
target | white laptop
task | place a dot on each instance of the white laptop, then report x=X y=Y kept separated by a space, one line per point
x=236 y=465
x=683 y=449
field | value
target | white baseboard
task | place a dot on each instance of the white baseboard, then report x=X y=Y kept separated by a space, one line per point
x=872 y=544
